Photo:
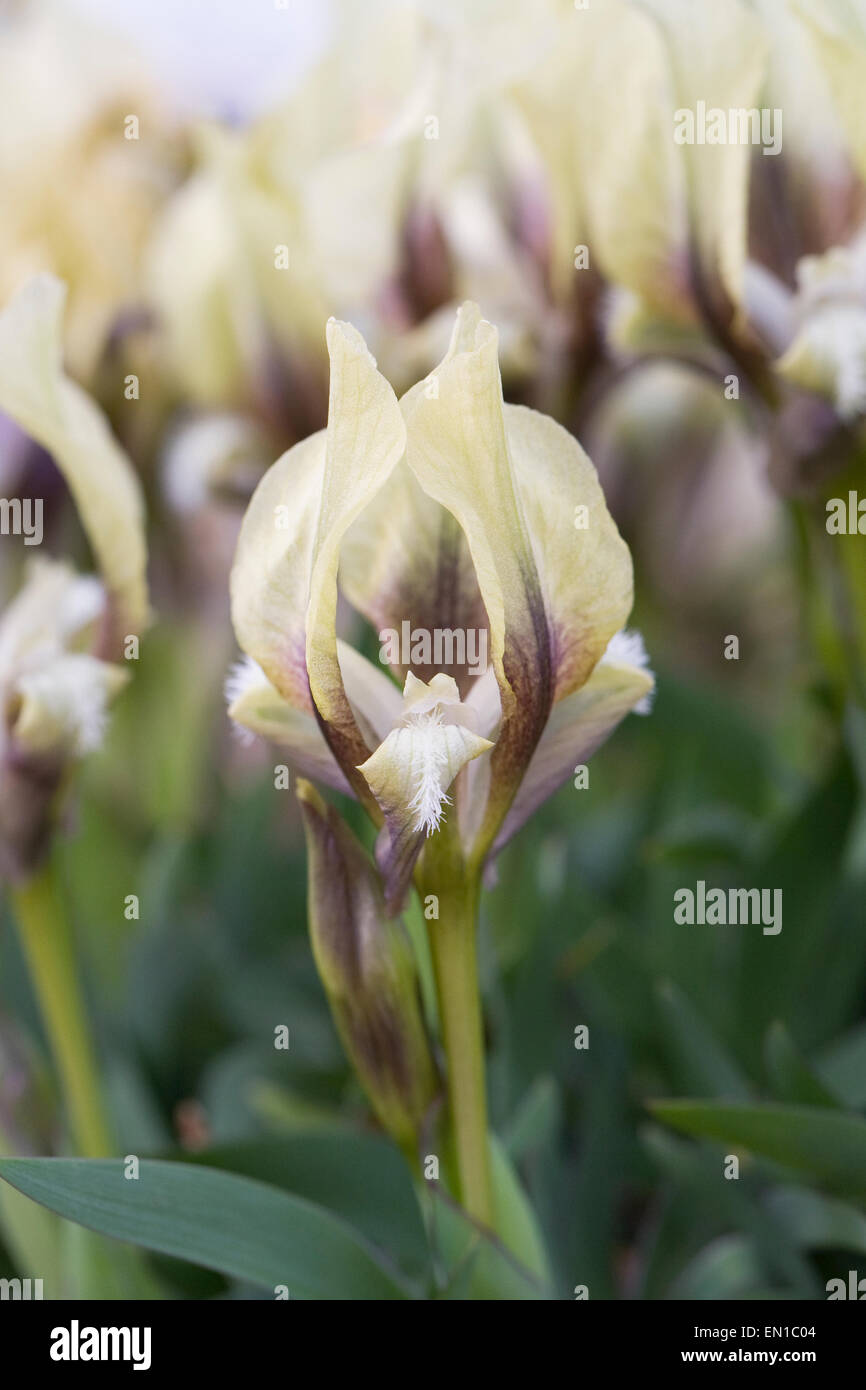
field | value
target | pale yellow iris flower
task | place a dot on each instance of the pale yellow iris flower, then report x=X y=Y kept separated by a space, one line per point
x=453 y=510
x=79 y=197
x=61 y=634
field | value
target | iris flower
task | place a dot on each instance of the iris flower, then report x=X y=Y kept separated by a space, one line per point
x=61 y=634
x=455 y=511
x=452 y=510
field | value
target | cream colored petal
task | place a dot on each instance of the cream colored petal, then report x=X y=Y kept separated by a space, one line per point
x=270 y=580
x=796 y=82
x=61 y=706
x=411 y=772
x=484 y=705
x=458 y=450
x=584 y=566
x=284 y=589
x=828 y=356
x=51 y=408
x=838 y=31
x=289 y=282
x=613 y=175
x=365 y=439
x=578 y=725
x=256 y=705
x=374 y=697
x=203 y=290
x=78 y=198
x=406 y=561
x=719 y=56
x=55 y=609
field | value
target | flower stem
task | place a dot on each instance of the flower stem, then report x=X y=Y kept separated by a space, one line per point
x=48 y=945
x=455 y=966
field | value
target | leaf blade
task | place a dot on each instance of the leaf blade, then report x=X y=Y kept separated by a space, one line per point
x=825 y=1145
x=242 y=1228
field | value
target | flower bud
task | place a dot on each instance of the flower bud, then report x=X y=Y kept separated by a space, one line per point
x=366 y=965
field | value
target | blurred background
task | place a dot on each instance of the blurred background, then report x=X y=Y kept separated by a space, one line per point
x=697 y=317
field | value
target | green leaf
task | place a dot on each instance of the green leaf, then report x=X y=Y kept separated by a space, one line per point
x=100 y=1269
x=360 y=1177
x=842 y=1066
x=825 y=1145
x=32 y=1237
x=792 y=1078
x=535 y=1121
x=516 y=1224
x=708 y=834
x=726 y=1268
x=706 y=1208
x=819 y=1223
x=512 y=1265
x=246 y=1230
x=699 y=1059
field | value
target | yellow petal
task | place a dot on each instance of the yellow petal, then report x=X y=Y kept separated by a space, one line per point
x=838 y=31
x=257 y=706
x=458 y=451
x=584 y=569
x=203 y=290
x=254 y=704
x=78 y=198
x=610 y=159
x=284 y=579
x=365 y=439
x=270 y=580
x=54 y=411
x=719 y=56
x=579 y=724
x=406 y=560
x=375 y=699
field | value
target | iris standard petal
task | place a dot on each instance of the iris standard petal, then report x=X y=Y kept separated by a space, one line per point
x=718 y=56
x=270 y=580
x=365 y=439
x=53 y=410
x=584 y=566
x=458 y=450
x=406 y=567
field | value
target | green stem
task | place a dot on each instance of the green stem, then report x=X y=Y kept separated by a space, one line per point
x=833 y=584
x=455 y=966
x=49 y=948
